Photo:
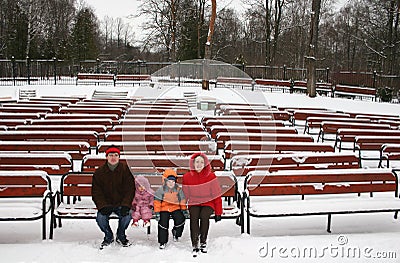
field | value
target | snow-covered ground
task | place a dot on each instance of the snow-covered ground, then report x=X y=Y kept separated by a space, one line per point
x=354 y=238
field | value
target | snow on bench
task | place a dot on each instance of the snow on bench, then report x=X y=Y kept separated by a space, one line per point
x=25 y=196
x=354 y=92
x=96 y=79
x=345 y=135
x=389 y=152
x=242 y=164
x=132 y=79
x=259 y=147
x=319 y=192
x=176 y=148
x=55 y=163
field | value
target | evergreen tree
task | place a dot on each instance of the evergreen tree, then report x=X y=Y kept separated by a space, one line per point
x=85 y=37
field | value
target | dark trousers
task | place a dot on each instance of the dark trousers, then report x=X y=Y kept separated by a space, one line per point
x=163 y=225
x=199 y=223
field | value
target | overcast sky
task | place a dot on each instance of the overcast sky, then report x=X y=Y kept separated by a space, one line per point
x=127 y=9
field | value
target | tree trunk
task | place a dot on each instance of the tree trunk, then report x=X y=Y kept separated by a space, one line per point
x=207 y=53
x=312 y=48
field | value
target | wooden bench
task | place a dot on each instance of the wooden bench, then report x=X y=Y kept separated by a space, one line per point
x=60 y=127
x=315 y=122
x=25 y=196
x=157 y=111
x=234 y=82
x=98 y=105
x=96 y=79
x=178 y=148
x=349 y=135
x=160 y=127
x=220 y=106
x=82 y=116
x=354 y=92
x=158 y=116
x=253 y=147
x=160 y=122
x=241 y=123
x=19 y=116
x=321 y=88
x=302 y=115
x=55 y=163
x=89 y=136
x=91 y=110
x=132 y=79
x=389 y=152
x=224 y=137
x=155 y=136
x=74 y=186
x=269 y=127
x=274 y=114
x=274 y=85
x=205 y=119
x=331 y=127
x=74 y=121
x=242 y=164
x=76 y=149
x=373 y=143
x=151 y=163
x=53 y=106
x=320 y=192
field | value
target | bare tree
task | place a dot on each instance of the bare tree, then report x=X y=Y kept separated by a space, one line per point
x=34 y=13
x=312 y=48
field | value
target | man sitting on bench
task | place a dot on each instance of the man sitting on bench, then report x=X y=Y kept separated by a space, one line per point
x=113 y=189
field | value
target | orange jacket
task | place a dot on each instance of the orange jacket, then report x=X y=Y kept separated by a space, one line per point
x=169 y=199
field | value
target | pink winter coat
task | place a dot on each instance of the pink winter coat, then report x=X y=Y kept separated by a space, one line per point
x=142 y=204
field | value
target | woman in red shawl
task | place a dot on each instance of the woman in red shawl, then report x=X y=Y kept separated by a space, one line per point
x=203 y=193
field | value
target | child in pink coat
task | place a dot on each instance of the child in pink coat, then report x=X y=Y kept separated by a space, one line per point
x=142 y=204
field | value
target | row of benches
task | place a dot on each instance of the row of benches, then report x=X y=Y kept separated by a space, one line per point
x=97 y=79
x=285 y=193
x=291 y=86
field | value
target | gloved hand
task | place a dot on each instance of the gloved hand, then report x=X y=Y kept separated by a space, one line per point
x=125 y=210
x=107 y=210
x=217 y=218
x=186 y=214
x=157 y=216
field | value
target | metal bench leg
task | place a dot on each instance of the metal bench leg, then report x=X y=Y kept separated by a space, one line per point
x=329 y=223
x=396 y=214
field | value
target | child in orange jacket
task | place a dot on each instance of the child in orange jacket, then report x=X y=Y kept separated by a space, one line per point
x=169 y=201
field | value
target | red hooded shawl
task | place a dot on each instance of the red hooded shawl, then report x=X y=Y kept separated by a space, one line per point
x=202 y=188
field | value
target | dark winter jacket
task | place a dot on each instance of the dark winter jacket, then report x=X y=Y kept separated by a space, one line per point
x=113 y=188
x=202 y=188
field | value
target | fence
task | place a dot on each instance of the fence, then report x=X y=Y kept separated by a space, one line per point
x=54 y=71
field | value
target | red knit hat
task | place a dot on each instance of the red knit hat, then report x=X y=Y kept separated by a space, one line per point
x=113 y=149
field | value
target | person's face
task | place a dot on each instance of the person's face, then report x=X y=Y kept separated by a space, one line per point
x=170 y=183
x=113 y=158
x=198 y=164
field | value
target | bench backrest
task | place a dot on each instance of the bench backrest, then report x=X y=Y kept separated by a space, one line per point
x=52 y=163
x=80 y=184
x=355 y=89
x=155 y=136
x=328 y=181
x=259 y=147
x=151 y=163
x=24 y=183
x=241 y=165
x=163 y=147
